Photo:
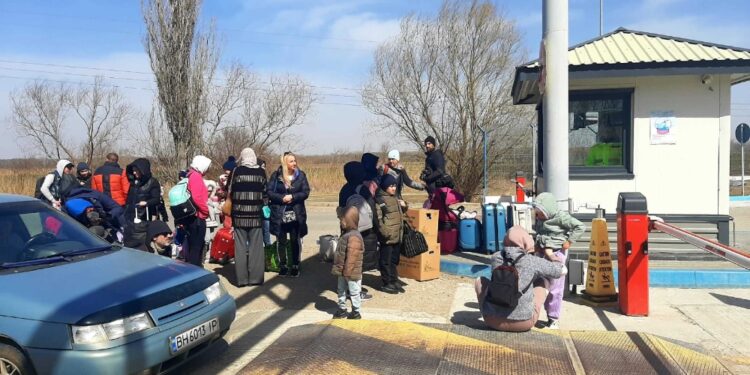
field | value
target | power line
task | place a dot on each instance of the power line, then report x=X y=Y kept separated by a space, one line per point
x=148 y=73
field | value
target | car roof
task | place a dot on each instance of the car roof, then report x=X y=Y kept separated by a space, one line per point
x=13 y=198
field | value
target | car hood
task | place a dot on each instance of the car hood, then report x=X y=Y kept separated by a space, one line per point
x=122 y=282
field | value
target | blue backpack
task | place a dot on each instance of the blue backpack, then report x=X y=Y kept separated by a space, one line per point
x=181 y=202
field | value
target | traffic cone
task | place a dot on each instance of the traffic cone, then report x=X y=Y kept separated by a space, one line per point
x=600 y=282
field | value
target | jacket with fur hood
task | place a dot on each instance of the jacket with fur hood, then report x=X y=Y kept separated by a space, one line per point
x=390 y=218
x=347 y=261
x=197 y=187
x=559 y=226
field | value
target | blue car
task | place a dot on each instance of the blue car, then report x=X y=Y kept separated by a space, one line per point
x=71 y=303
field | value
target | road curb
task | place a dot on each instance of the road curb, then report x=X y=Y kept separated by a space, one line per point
x=663 y=277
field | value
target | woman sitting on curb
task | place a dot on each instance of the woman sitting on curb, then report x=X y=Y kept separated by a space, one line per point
x=531 y=274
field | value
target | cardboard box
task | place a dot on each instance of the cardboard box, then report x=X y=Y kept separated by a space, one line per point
x=424 y=221
x=423 y=267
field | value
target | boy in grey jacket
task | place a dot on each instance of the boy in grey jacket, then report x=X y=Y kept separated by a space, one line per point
x=556 y=231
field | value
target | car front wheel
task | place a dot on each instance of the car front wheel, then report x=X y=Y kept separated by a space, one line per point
x=13 y=362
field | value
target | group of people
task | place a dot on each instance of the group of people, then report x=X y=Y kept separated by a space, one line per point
x=127 y=205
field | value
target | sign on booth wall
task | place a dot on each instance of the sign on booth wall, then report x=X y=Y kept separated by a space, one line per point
x=663 y=126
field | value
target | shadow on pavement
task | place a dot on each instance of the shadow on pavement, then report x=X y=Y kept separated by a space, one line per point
x=732 y=301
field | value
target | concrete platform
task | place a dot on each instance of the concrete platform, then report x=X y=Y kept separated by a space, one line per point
x=380 y=347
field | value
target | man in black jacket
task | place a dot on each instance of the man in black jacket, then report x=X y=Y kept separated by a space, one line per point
x=434 y=173
x=145 y=191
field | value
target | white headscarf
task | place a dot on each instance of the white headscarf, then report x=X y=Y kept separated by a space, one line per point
x=200 y=163
x=248 y=158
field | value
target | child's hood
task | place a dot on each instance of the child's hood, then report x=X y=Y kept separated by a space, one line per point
x=547 y=203
x=350 y=219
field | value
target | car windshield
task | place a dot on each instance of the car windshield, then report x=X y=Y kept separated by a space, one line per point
x=32 y=232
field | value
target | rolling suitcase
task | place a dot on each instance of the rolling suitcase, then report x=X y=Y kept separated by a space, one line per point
x=494 y=225
x=222 y=247
x=469 y=235
x=448 y=236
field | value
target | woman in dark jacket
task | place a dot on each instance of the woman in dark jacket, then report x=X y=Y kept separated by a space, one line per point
x=145 y=191
x=287 y=190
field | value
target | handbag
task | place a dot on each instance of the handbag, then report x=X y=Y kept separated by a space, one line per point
x=413 y=243
x=288 y=217
x=226 y=208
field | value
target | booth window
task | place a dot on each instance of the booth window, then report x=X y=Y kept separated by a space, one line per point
x=599 y=133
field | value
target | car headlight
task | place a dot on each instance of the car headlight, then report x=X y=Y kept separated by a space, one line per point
x=111 y=331
x=214 y=292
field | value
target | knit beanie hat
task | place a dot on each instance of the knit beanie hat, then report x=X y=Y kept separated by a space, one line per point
x=430 y=139
x=394 y=154
x=386 y=181
x=230 y=164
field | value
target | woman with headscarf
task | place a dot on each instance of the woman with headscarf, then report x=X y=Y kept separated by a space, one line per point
x=195 y=227
x=247 y=189
x=288 y=189
x=531 y=274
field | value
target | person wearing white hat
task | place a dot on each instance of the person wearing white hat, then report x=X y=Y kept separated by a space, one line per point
x=394 y=168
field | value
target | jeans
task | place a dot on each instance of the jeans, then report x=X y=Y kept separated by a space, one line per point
x=389 y=258
x=292 y=229
x=266 y=232
x=195 y=231
x=249 y=257
x=354 y=287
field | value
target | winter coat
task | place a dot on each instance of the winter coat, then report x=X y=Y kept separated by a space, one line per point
x=146 y=189
x=300 y=191
x=402 y=178
x=434 y=164
x=390 y=218
x=51 y=188
x=197 y=187
x=248 y=189
x=104 y=204
x=111 y=180
x=347 y=261
x=354 y=173
x=559 y=226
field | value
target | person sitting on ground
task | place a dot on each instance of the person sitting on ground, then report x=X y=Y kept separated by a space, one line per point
x=532 y=272
x=347 y=265
x=390 y=216
x=158 y=239
x=397 y=170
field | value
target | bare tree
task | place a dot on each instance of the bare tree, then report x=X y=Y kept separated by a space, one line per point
x=103 y=112
x=224 y=101
x=183 y=60
x=450 y=77
x=39 y=112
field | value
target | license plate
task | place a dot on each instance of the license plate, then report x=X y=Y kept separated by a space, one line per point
x=194 y=335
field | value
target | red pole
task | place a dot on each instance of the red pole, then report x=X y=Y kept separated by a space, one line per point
x=520 y=191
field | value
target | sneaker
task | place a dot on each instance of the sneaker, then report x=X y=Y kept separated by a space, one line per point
x=363 y=296
x=340 y=314
x=294 y=272
x=389 y=288
x=553 y=324
x=283 y=271
x=354 y=315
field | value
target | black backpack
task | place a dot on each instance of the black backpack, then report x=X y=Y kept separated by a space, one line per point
x=503 y=290
x=38 y=188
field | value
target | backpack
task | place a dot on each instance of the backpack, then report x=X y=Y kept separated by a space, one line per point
x=365 y=210
x=503 y=290
x=181 y=202
x=38 y=187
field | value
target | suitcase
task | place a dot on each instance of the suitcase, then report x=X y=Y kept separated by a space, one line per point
x=522 y=214
x=222 y=247
x=469 y=235
x=448 y=237
x=494 y=225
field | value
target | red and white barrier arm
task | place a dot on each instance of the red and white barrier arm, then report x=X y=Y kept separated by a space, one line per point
x=738 y=257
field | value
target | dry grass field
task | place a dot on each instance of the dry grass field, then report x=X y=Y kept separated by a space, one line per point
x=325 y=174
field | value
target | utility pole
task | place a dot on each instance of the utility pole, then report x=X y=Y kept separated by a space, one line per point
x=555 y=98
x=601 y=17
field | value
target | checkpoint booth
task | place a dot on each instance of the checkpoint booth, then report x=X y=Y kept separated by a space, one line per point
x=648 y=113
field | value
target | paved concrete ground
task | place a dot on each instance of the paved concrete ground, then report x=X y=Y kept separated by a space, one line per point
x=712 y=321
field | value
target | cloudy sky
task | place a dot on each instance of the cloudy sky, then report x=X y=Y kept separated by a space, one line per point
x=328 y=42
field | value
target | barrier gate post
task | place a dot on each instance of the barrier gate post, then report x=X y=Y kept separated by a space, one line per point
x=632 y=253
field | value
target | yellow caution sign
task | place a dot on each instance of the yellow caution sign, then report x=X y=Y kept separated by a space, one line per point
x=600 y=283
